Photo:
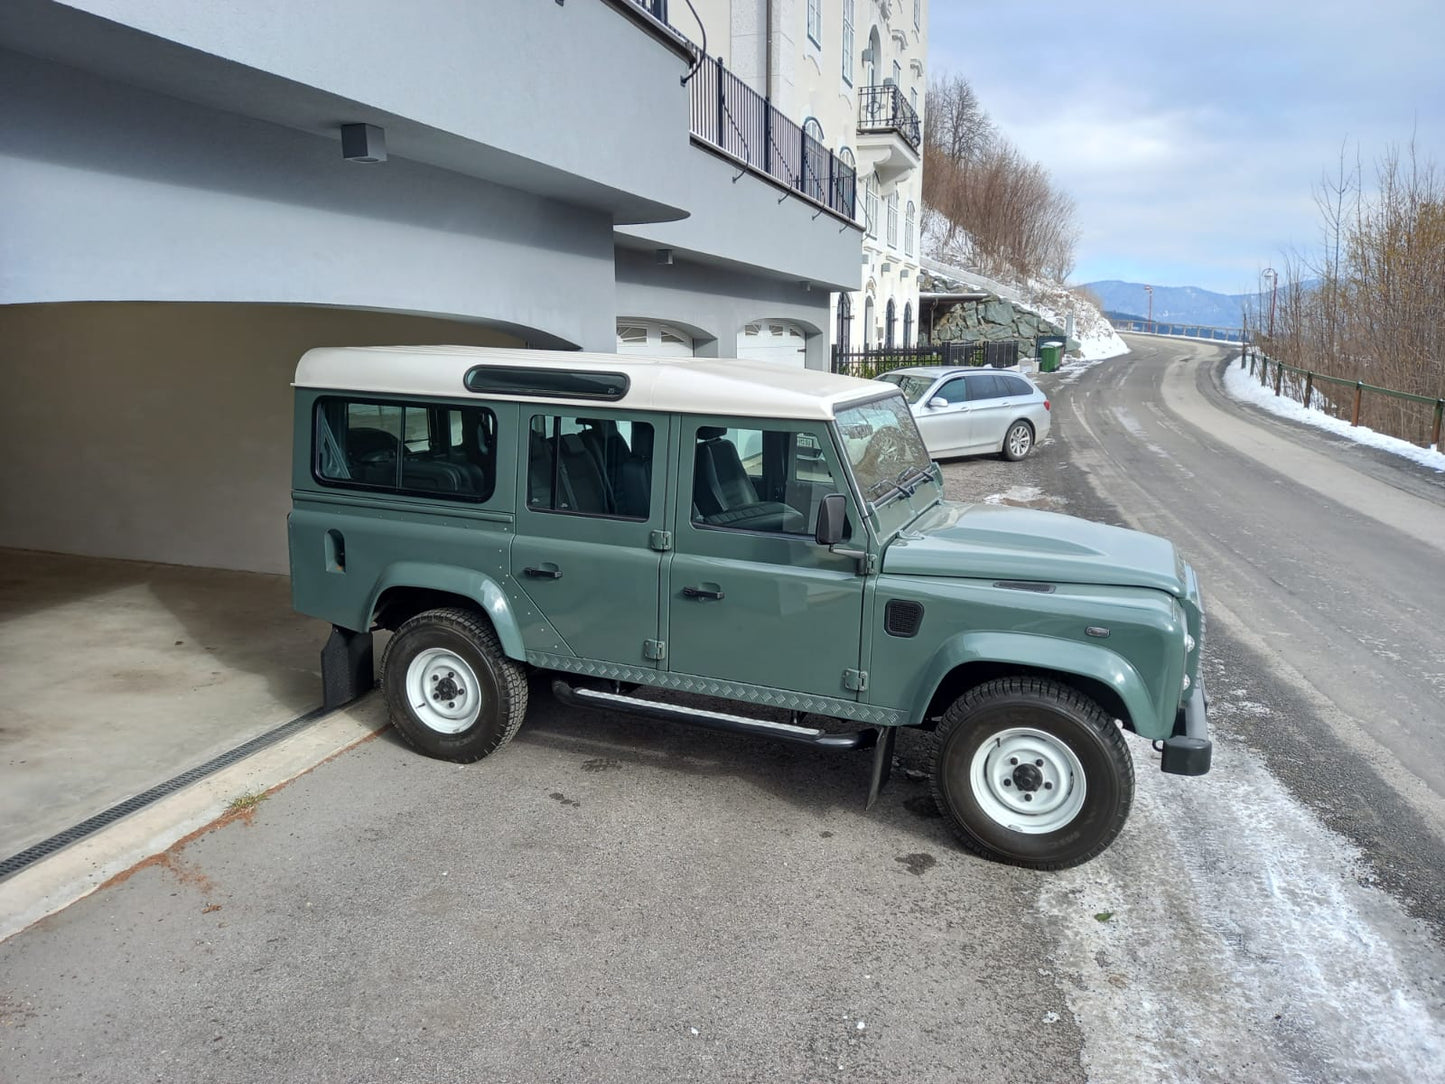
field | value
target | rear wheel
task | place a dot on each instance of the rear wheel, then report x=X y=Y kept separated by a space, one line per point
x=450 y=690
x=1032 y=773
x=1017 y=441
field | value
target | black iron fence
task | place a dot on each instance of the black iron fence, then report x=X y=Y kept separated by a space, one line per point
x=732 y=116
x=884 y=108
x=869 y=363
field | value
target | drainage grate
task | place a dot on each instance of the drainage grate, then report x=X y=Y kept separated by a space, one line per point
x=46 y=847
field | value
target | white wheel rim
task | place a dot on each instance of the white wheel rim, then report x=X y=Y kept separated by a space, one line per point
x=1018 y=440
x=443 y=691
x=1027 y=781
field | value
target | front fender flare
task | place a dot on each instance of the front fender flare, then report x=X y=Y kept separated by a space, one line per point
x=468 y=582
x=1091 y=661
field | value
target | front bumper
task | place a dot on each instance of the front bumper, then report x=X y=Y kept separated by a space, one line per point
x=1190 y=753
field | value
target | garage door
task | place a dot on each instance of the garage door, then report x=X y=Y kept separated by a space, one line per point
x=773 y=340
x=654 y=339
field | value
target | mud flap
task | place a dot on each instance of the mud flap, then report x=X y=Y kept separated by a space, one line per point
x=882 y=763
x=346 y=667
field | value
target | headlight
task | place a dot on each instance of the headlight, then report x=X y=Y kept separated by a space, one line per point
x=1188 y=644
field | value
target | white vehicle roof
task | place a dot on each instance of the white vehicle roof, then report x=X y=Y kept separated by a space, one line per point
x=672 y=385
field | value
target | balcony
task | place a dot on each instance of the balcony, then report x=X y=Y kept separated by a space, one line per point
x=736 y=119
x=889 y=134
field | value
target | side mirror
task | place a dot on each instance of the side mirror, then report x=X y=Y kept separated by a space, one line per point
x=938 y=402
x=832 y=520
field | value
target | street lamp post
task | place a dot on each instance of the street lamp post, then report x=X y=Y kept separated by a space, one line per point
x=1273 y=289
x=1150 y=291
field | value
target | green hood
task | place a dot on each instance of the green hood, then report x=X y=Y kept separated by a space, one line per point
x=992 y=542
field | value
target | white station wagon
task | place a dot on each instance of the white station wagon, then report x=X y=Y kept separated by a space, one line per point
x=974 y=411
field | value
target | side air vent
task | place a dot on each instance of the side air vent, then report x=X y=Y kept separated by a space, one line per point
x=902 y=618
x=1026 y=585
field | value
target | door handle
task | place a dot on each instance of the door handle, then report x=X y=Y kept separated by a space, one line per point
x=702 y=593
x=542 y=573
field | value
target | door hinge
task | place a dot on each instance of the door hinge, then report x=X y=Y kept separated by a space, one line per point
x=660 y=541
x=855 y=680
x=654 y=649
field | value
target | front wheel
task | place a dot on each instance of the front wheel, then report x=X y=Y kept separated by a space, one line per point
x=450 y=690
x=1017 y=441
x=1032 y=773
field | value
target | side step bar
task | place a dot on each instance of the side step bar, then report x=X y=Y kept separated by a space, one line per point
x=711 y=720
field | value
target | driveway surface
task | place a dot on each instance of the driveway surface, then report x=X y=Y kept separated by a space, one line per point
x=613 y=899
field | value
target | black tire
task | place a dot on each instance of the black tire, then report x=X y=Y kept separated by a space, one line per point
x=498 y=691
x=1018 y=441
x=1083 y=775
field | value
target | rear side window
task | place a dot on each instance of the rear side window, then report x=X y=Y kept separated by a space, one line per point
x=1013 y=385
x=589 y=466
x=984 y=386
x=410 y=448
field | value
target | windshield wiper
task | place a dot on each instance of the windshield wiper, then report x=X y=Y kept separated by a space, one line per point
x=909 y=474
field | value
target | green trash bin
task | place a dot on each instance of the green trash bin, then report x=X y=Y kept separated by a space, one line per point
x=1051 y=354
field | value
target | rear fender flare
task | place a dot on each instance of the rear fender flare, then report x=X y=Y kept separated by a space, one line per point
x=467 y=582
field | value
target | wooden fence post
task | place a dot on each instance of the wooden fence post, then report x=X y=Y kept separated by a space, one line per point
x=1435 y=436
x=1359 y=392
x=1278 y=375
x=1309 y=388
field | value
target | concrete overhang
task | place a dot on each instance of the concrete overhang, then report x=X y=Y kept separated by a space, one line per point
x=97 y=45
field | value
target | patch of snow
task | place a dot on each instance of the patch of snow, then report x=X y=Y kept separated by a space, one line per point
x=1238 y=383
x=1267 y=954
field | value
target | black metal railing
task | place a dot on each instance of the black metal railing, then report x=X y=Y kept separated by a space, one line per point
x=869 y=363
x=732 y=116
x=884 y=108
x=656 y=8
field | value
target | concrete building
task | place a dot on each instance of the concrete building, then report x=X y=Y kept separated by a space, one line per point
x=192 y=193
x=852 y=73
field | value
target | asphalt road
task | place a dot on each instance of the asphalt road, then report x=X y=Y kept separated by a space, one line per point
x=611 y=899
x=1322 y=562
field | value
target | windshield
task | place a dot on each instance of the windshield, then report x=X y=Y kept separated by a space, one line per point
x=912 y=387
x=883 y=445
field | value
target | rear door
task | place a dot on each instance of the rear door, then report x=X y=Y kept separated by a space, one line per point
x=589 y=538
x=990 y=410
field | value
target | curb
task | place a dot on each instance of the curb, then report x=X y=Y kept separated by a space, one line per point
x=54 y=883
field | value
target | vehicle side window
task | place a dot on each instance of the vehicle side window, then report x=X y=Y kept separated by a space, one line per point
x=1013 y=385
x=589 y=466
x=770 y=480
x=955 y=391
x=983 y=386
x=410 y=448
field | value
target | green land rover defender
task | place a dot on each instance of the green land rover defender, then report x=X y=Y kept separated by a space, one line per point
x=771 y=537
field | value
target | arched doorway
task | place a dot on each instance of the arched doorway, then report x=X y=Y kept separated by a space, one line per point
x=845 y=323
x=870 y=331
x=890 y=317
x=908 y=324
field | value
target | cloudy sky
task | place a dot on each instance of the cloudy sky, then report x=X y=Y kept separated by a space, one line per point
x=1193 y=133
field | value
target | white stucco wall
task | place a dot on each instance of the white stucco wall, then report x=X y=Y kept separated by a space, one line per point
x=162 y=432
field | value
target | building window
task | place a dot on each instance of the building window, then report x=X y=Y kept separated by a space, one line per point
x=870 y=205
x=411 y=448
x=913 y=99
x=848 y=42
x=908 y=223
x=898 y=75
x=589 y=466
x=893 y=220
x=845 y=323
x=890 y=318
x=815 y=22
x=908 y=324
x=917 y=16
x=870 y=331
x=845 y=182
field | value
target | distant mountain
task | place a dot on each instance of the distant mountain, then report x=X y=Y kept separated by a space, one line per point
x=1175 y=304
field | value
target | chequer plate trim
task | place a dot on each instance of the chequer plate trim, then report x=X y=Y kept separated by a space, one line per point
x=729 y=690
